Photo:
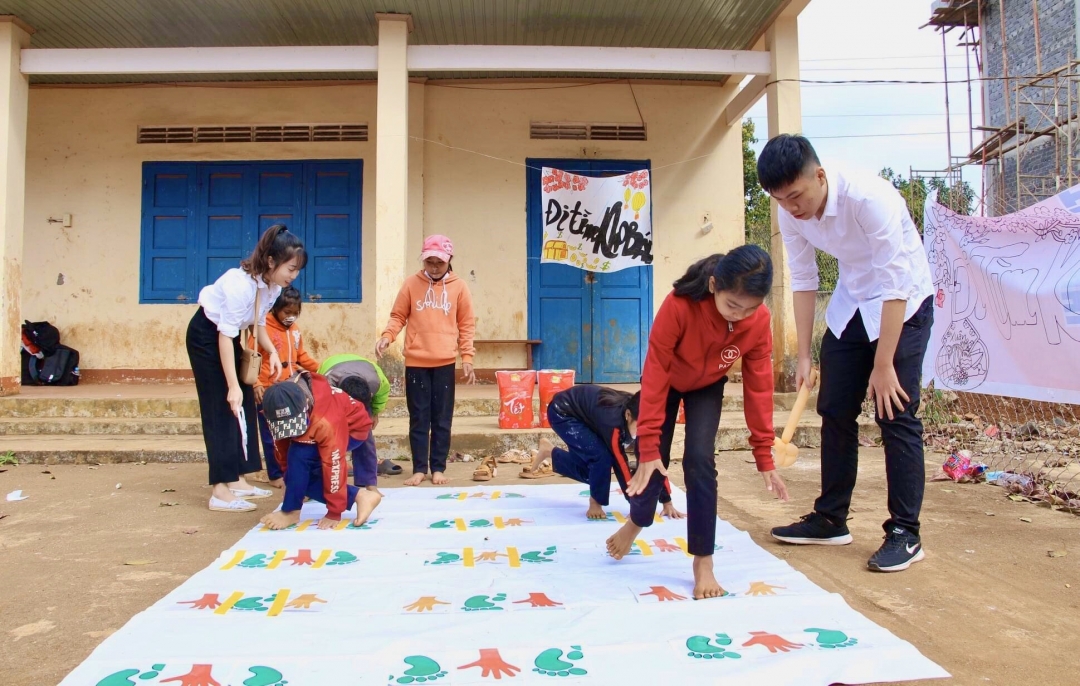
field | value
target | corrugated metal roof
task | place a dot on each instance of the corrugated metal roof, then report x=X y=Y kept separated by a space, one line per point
x=708 y=24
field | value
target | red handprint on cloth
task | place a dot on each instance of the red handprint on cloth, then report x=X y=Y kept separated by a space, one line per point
x=303 y=557
x=665 y=547
x=771 y=641
x=538 y=600
x=198 y=676
x=492 y=664
x=207 y=602
x=663 y=594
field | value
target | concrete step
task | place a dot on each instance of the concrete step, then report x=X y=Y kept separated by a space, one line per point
x=474 y=435
x=100 y=426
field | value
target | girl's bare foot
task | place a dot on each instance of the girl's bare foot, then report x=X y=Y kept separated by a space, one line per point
x=259 y=477
x=705 y=583
x=622 y=540
x=277 y=483
x=438 y=478
x=544 y=453
x=366 y=502
x=670 y=512
x=596 y=511
x=327 y=523
x=416 y=479
x=374 y=489
x=281 y=520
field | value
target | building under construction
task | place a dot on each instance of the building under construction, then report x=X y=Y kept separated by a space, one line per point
x=1023 y=53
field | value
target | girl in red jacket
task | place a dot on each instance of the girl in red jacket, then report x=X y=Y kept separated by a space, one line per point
x=712 y=318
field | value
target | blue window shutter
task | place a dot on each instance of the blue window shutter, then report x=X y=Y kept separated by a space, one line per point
x=220 y=231
x=277 y=198
x=168 y=266
x=333 y=231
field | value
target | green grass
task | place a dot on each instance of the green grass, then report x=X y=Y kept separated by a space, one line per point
x=9 y=458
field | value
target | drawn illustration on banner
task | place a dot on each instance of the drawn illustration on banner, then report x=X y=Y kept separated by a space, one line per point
x=600 y=224
x=1002 y=285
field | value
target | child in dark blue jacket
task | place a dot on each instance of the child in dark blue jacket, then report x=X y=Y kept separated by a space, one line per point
x=599 y=427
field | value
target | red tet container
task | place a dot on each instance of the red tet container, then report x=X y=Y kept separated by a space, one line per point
x=515 y=399
x=551 y=382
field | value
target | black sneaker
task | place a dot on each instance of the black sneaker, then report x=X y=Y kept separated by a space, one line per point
x=813 y=529
x=900 y=550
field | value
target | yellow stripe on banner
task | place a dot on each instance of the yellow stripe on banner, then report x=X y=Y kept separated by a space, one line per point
x=229 y=602
x=340 y=526
x=279 y=555
x=462 y=496
x=658 y=519
x=321 y=559
x=304 y=524
x=279 y=603
x=235 y=559
x=515 y=559
x=619 y=517
x=265 y=527
x=469 y=562
x=681 y=542
x=495 y=495
x=644 y=547
x=499 y=523
x=460 y=524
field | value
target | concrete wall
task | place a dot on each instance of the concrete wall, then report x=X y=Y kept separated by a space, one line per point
x=83 y=159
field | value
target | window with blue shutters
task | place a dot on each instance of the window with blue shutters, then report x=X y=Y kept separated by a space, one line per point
x=201 y=219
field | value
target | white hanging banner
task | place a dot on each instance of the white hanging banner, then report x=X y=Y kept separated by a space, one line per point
x=1007 y=300
x=600 y=224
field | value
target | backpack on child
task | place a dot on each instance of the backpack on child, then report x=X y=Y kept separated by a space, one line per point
x=45 y=361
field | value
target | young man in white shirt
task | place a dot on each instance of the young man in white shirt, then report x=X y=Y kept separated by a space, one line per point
x=879 y=321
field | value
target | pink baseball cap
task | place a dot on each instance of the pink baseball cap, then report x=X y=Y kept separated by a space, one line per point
x=437 y=246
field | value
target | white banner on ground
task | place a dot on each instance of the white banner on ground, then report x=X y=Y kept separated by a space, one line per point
x=600 y=224
x=1007 y=300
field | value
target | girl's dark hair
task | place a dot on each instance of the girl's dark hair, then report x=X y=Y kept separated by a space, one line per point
x=358 y=390
x=609 y=397
x=783 y=160
x=289 y=296
x=278 y=244
x=746 y=270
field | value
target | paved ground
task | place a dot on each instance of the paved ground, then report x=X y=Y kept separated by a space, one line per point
x=988 y=604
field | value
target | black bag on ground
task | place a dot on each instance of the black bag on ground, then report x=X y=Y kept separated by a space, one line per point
x=59 y=369
x=42 y=334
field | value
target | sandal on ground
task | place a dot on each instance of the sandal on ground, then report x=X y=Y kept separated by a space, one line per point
x=515 y=456
x=260 y=477
x=542 y=472
x=254 y=494
x=219 y=505
x=486 y=471
x=388 y=468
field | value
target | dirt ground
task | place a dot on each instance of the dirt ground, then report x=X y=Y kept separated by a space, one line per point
x=989 y=604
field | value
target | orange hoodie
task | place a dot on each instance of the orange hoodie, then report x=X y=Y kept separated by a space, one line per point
x=290 y=350
x=440 y=320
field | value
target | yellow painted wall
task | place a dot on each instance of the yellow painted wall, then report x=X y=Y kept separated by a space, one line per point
x=82 y=159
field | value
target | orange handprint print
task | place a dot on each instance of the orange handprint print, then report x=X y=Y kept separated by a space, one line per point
x=515 y=522
x=424 y=603
x=759 y=588
x=664 y=547
x=303 y=557
x=207 y=602
x=489 y=556
x=198 y=676
x=771 y=641
x=304 y=602
x=663 y=594
x=492 y=664
x=538 y=600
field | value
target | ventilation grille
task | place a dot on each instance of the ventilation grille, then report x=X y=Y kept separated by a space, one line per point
x=570 y=131
x=260 y=133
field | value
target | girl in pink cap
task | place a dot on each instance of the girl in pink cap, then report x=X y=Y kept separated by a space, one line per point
x=435 y=307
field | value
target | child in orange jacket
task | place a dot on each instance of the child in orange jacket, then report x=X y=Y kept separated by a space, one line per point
x=437 y=307
x=283 y=332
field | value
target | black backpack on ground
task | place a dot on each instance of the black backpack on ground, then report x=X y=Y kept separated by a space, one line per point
x=59 y=365
x=42 y=334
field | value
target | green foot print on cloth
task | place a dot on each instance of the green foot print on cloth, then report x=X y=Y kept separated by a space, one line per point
x=442 y=524
x=123 y=677
x=550 y=662
x=255 y=561
x=366 y=526
x=421 y=670
x=342 y=558
x=538 y=556
x=704 y=648
x=480 y=602
x=265 y=676
x=254 y=604
x=479 y=524
x=830 y=638
x=444 y=559
x=446 y=496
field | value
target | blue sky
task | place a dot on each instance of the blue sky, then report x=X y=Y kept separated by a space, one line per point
x=867 y=127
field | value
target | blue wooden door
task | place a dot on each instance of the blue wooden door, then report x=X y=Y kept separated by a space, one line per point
x=333 y=231
x=222 y=233
x=168 y=269
x=594 y=323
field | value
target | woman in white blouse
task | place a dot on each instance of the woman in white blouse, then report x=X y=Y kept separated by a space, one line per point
x=227 y=406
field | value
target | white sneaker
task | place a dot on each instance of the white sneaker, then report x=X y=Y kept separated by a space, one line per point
x=219 y=505
x=254 y=494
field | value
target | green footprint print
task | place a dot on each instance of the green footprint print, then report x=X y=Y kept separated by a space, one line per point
x=512 y=495
x=444 y=559
x=480 y=602
x=830 y=638
x=342 y=558
x=539 y=556
x=442 y=524
x=254 y=562
x=479 y=524
x=550 y=662
x=702 y=648
x=444 y=496
x=421 y=669
x=366 y=526
x=264 y=676
x=584 y=494
x=123 y=677
x=254 y=604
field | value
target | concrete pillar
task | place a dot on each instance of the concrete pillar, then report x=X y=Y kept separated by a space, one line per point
x=391 y=176
x=416 y=174
x=14 y=96
x=785 y=116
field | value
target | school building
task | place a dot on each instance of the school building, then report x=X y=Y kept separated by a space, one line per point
x=145 y=145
